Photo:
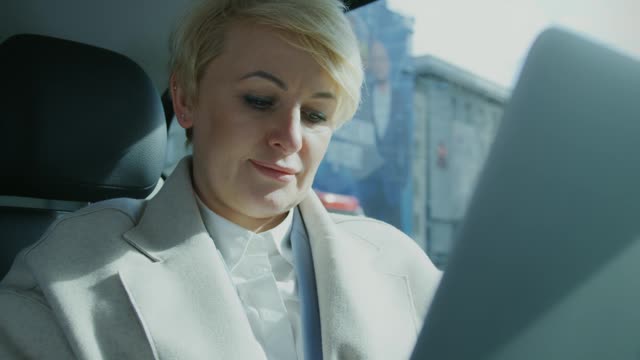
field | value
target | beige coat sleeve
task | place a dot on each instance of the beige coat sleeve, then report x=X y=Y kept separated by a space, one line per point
x=28 y=328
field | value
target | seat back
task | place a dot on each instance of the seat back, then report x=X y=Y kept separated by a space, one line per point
x=80 y=124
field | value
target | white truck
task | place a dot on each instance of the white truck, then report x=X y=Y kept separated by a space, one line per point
x=456 y=115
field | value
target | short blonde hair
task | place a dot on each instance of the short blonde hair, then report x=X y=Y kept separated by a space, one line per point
x=319 y=27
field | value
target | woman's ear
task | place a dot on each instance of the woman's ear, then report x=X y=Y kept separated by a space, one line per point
x=181 y=105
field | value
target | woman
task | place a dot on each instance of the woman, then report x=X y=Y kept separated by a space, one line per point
x=235 y=257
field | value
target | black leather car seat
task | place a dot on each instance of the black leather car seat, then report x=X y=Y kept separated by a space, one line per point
x=79 y=124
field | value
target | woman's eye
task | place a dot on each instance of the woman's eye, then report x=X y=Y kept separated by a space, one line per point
x=313 y=116
x=258 y=102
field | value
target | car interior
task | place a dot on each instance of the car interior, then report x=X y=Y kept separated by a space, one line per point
x=87 y=117
x=86 y=113
x=86 y=125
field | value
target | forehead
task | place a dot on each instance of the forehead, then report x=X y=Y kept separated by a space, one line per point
x=250 y=47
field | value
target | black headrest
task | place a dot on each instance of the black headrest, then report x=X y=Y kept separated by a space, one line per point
x=76 y=122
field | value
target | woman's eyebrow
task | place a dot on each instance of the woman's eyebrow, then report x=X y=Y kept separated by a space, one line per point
x=324 y=95
x=281 y=84
x=265 y=75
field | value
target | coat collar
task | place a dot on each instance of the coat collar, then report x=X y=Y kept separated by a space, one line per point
x=185 y=292
x=366 y=306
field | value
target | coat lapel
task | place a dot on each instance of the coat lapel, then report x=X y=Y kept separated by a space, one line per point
x=366 y=306
x=183 y=296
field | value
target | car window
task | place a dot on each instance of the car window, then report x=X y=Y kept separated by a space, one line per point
x=438 y=78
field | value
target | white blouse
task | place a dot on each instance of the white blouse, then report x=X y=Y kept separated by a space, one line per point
x=261 y=268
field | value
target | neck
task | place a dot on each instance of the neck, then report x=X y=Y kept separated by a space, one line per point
x=255 y=224
x=267 y=224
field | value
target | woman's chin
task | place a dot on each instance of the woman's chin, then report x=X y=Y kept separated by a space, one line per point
x=271 y=204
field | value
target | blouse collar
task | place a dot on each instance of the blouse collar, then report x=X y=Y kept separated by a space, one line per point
x=233 y=241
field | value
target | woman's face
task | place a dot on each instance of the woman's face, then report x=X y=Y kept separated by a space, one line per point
x=261 y=125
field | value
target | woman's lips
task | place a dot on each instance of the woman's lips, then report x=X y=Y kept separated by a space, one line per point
x=273 y=171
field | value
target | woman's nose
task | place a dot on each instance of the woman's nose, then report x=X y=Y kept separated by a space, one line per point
x=286 y=135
